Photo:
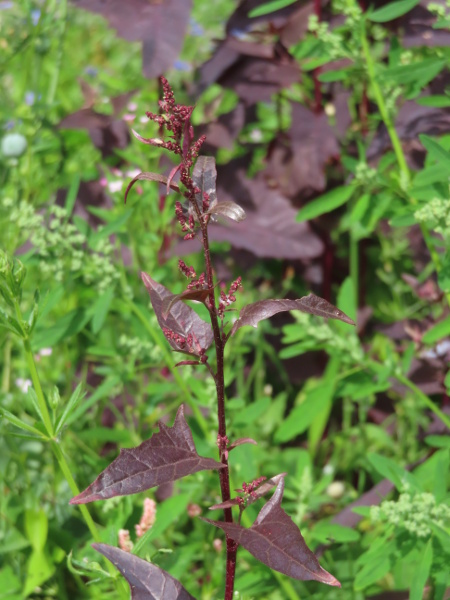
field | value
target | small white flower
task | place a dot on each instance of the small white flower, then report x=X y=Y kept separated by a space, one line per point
x=256 y=135
x=328 y=469
x=45 y=352
x=115 y=186
x=23 y=384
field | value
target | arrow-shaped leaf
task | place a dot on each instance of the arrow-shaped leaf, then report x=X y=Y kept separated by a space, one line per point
x=252 y=314
x=276 y=541
x=182 y=320
x=197 y=295
x=146 y=580
x=168 y=455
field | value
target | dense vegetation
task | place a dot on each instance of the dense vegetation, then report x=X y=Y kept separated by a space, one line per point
x=329 y=126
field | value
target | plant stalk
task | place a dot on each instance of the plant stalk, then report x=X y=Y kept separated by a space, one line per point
x=224 y=475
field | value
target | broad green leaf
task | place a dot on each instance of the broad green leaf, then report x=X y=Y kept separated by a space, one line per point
x=9 y=584
x=326 y=532
x=319 y=423
x=421 y=573
x=68 y=325
x=431 y=174
x=346 y=299
x=106 y=434
x=436 y=151
x=391 y=470
x=326 y=203
x=252 y=412
x=372 y=572
x=300 y=418
x=437 y=332
x=438 y=441
x=13 y=541
x=418 y=73
x=393 y=10
x=36 y=528
x=435 y=101
x=39 y=570
x=72 y=194
x=270 y=7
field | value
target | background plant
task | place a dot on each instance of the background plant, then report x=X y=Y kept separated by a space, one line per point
x=260 y=112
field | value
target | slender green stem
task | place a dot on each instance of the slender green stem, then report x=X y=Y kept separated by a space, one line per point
x=354 y=267
x=35 y=378
x=171 y=365
x=424 y=398
x=59 y=54
x=6 y=373
x=396 y=144
x=74 y=488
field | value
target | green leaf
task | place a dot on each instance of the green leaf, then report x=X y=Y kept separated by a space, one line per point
x=18 y=423
x=100 y=309
x=435 y=150
x=76 y=396
x=437 y=332
x=325 y=203
x=68 y=325
x=270 y=7
x=416 y=73
x=106 y=434
x=393 y=10
x=72 y=194
x=372 y=572
x=10 y=324
x=391 y=470
x=421 y=573
x=435 y=101
x=438 y=441
x=300 y=418
x=36 y=528
x=336 y=75
x=444 y=274
x=112 y=227
x=326 y=532
x=103 y=390
x=168 y=513
x=39 y=570
x=252 y=412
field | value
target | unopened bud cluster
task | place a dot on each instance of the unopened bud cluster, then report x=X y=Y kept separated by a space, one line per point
x=186 y=344
x=248 y=489
x=227 y=299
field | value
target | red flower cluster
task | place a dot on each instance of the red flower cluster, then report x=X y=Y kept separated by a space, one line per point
x=227 y=299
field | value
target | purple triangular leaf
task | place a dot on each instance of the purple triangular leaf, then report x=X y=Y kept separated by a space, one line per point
x=197 y=295
x=151 y=177
x=204 y=176
x=168 y=455
x=228 y=209
x=252 y=314
x=182 y=320
x=276 y=541
x=146 y=580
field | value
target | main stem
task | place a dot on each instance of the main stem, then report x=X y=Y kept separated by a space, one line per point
x=224 y=474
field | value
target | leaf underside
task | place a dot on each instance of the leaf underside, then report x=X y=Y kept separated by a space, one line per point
x=252 y=314
x=146 y=580
x=182 y=320
x=276 y=541
x=168 y=455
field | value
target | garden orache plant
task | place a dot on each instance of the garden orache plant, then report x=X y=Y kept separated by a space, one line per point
x=273 y=538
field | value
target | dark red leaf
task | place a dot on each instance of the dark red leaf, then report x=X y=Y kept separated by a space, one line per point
x=204 y=176
x=151 y=177
x=227 y=504
x=161 y=26
x=276 y=541
x=188 y=362
x=228 y=209
x=146 y=580
x=182 y=320
x=197 y=295
x=168 y=455
x=241 y=441
x=252 y=314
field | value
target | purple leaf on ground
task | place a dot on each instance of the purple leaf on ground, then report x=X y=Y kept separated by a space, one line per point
x=161 y=26
x=276 y=541
x=151 y=177
x=252 y=314
x=182 y=320
x=146 y=580
x=168 y=455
